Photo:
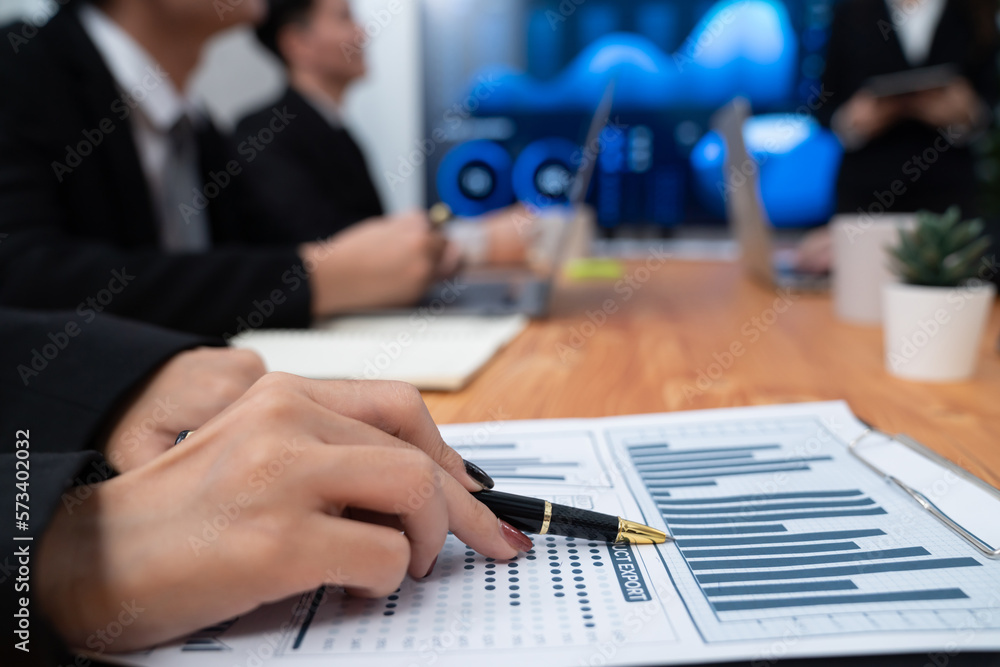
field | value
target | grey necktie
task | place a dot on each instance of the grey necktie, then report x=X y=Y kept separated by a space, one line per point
x=183 y=210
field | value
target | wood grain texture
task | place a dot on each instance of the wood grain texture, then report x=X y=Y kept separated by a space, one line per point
x=665 y=349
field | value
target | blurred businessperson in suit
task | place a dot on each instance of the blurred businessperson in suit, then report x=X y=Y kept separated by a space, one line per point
x=314 y=176
x=110 y=178
x=893 y=138
x=904 y=153
x=315 y=173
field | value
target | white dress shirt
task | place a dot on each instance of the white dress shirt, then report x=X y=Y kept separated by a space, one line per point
x=916 y=24
x=158 y=107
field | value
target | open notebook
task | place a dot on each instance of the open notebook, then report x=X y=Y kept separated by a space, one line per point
x=434 y=353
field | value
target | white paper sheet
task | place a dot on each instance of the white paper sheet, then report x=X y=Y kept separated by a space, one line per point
x=786 y=546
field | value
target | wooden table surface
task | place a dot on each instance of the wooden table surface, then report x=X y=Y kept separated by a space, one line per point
x=665 y=347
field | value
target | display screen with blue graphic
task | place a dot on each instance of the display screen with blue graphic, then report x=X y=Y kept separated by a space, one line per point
x=525 y=77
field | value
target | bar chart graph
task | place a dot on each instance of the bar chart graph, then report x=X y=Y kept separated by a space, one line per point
x=536 y=458
x=772 y=534
x=512 y=468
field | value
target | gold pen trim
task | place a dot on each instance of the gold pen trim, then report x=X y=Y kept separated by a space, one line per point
x=630 y=532
x=547 y=519
x=439 y=215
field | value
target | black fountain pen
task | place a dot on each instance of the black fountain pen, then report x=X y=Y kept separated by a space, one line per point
x=541 y=517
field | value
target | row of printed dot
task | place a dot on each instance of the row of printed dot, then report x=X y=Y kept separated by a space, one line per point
x=575 y=569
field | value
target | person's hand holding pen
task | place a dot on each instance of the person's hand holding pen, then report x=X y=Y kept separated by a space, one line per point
x=299 y=483
x=378 y=263
x=503 y=237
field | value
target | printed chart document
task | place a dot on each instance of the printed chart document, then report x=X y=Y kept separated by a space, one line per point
x=786 y=545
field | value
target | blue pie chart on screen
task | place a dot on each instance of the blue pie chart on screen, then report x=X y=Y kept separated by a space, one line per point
x=475 y=178
x=544 y=171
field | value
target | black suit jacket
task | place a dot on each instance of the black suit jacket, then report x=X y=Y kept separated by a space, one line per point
x=312 y=177
x=62 y=234
x=863 y=44
x=59 y=411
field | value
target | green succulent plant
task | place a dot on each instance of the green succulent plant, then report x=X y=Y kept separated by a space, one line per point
x=941 y=251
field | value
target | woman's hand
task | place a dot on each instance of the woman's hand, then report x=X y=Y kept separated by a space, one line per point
x=184 y=393
x=299 y=483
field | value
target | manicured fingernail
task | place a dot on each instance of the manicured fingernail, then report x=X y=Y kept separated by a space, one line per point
x=515 y=538
x=476 y=473
x=431 y=569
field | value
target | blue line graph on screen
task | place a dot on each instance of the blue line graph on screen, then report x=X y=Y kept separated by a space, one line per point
x=740 y=47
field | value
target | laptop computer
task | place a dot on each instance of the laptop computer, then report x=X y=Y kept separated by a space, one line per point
x=764 y=259
x=529 y=291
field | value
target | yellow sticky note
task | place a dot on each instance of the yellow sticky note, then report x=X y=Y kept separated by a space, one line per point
x=595 y=268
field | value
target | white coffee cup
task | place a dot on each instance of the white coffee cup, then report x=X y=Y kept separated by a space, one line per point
x=861 y=263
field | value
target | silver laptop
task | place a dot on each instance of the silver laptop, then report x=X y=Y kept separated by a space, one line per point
x=764 y=259
x=529 y=291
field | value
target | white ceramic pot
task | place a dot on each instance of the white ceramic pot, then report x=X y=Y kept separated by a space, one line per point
x=861 y=263
x=934 y=333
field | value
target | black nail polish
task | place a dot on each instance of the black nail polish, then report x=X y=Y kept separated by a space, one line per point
x=476 y=473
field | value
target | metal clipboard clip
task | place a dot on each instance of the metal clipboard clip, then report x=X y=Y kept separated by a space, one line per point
x=925 y=502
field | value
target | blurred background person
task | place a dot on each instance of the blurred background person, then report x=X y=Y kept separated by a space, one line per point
x=911 y=151
x=886 y=137
x=314 y=177
x=315 y=173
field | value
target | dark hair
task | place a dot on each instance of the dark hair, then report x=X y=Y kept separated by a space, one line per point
x=281 y=13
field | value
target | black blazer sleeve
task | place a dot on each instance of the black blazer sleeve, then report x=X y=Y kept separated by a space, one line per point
x=50 y=476
x=62 y=375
